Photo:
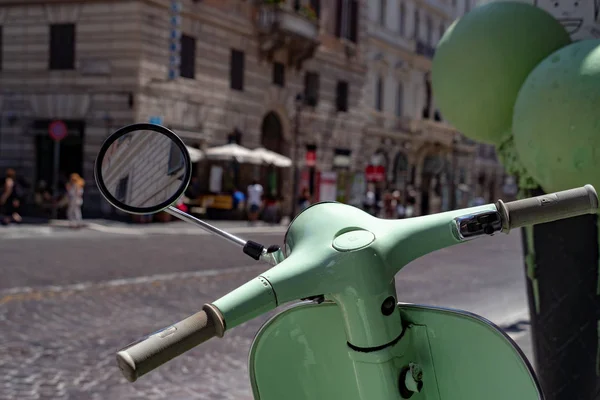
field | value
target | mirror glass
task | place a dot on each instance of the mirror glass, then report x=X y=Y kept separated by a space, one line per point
x=143 y=168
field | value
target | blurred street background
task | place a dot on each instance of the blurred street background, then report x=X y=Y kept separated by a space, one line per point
x=336 y=93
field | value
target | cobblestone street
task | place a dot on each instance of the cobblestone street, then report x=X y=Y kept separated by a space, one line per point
x=69 y=300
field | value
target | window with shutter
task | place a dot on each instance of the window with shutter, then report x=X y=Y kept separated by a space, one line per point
x=62 y=47
x=1 y=46
x=346 y=23
x=187 y=67
x=429 y=25
x=353 y=34
x=379 y=94
x=382 y=11
x=279 y=74
x=399 y=99
x=342 y=96
x=122 y=187
x=339 y=18
x=401 y=20
x=311 y=89
x=417 y=23
x=237 y=70
x=176 y=161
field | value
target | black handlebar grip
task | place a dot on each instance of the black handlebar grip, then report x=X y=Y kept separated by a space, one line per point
x=149 y=353
x=548 y=207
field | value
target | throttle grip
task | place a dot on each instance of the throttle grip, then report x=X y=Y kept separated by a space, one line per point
x=548 y=207
x=152 y=351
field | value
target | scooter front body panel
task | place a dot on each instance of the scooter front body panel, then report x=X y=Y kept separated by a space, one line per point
x=302 y=354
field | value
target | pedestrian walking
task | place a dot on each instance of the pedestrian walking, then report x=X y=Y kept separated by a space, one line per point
x=75 y=200
x=10 y=198
x=255 y=194
x=304 y=200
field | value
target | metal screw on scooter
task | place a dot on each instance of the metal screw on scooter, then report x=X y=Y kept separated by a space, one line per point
x=388 y=306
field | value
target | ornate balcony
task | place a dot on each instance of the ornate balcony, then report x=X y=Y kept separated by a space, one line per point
x=280 y=27
x=437 y=131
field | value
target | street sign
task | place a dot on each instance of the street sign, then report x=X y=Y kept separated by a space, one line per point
x=375 y=173
x=57 y=130
x=175 y=40
x=156 y=120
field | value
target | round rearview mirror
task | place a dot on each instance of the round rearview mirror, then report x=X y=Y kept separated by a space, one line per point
x=143 y=168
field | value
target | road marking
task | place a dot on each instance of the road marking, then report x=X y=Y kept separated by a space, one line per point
x=36 y=293
x=55 y=232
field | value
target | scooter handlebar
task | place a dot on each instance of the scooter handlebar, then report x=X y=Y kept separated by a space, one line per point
x=149 y=353
x=548 y=207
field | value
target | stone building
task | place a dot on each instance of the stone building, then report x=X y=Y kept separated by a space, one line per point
x=405 y=133
x=289 y=77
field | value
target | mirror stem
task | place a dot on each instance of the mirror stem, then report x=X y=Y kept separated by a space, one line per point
x=207 y=227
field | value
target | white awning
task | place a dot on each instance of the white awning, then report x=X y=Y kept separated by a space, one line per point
x=195 y=154
x=273 y=158
x=232 y=151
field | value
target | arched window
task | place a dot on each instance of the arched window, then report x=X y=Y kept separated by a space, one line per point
x=417 y=24
x=399 y=99
x=400 y=171
x=429 y=27
x=379 y=94
x=382 y=11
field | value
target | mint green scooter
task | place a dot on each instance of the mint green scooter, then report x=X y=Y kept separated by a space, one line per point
x=345 y=336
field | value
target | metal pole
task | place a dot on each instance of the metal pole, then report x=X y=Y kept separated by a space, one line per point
x=55 y=176
x=206 y=226
x=295 y=157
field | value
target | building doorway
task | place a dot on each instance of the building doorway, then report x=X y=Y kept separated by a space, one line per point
x=71 y=153
x=272 y=139
x=431 y=185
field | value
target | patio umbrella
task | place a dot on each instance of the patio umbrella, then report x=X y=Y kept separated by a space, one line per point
x=195 y=154
x=232 y=151
x=271 y=157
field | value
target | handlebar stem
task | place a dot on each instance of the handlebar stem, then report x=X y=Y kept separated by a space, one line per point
x=250 y=300
x=403 y=241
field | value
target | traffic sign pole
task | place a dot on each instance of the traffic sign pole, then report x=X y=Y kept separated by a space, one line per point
x=55 y=177
x=57 y=131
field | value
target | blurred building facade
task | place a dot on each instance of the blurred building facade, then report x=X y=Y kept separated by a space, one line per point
x=338 y=86
x=410 y=145
x=237 y=71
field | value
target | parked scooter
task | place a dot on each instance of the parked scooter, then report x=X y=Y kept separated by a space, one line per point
x=345 y=336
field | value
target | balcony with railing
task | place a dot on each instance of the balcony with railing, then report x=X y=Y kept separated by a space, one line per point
x=392 y=124
x=291 y=26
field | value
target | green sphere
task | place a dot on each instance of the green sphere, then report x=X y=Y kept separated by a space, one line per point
x=483 y=59
x=556 y=121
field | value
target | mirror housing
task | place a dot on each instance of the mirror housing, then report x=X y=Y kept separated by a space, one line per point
x=143 y=168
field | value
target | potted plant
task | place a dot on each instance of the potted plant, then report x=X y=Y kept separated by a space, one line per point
x=308 y=12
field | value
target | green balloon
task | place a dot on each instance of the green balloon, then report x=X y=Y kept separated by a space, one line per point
x=483 y=59
x=556 y=121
